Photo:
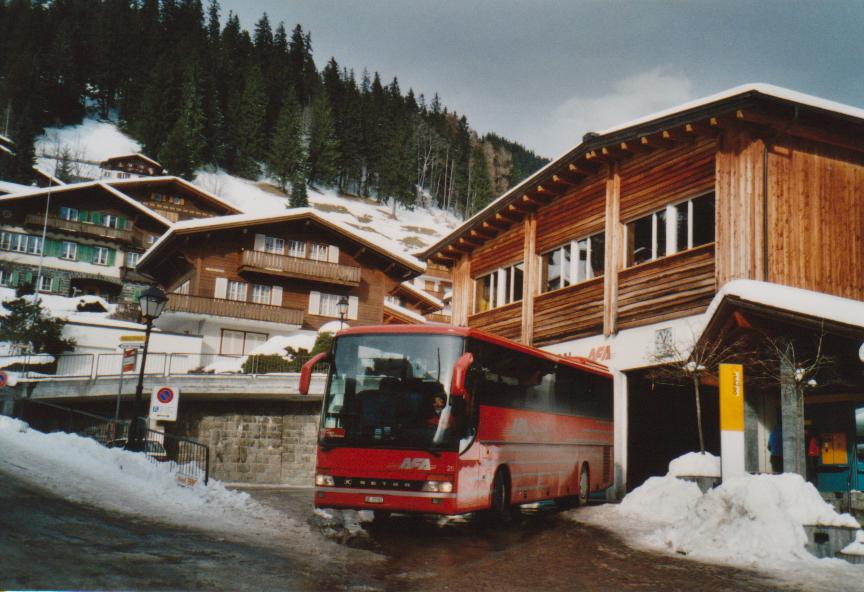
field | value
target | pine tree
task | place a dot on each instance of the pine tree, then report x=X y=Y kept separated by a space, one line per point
x=287 y=152
x=28 y=325
x=183 y=151
x=248 y=137
x=323 y=145
x=299 y=196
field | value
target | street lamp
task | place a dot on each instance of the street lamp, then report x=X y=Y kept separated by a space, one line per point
x=342 y=306
x=152 y=303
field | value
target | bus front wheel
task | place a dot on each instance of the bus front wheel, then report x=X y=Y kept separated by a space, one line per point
x=584 y=485
x=500 y=510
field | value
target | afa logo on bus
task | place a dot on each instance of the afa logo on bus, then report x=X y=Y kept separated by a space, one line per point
x=417 y=464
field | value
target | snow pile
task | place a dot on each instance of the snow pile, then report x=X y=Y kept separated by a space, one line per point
x=35 y=359
x=81 y=470
x=278 y=344
x=664 y=499
x=695 y=464
x=89 y=142
x=856 y=547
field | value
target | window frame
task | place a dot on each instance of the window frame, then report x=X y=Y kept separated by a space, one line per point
x=236 y=291
x=669 y=214
x=258 y=290
x=66 y=250
x=569 y=275
x=97 y=259
x=502 y=287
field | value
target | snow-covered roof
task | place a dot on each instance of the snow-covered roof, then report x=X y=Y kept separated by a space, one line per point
x=805 y=302
x=421 y=294
x=133 y=155
x=403 y=312
x=9 y=187
x=6 y=139
x=7 y=150
x=246 y=220
x=51 y=178
x=768 y=90
x=141 y=181
x=87 y=185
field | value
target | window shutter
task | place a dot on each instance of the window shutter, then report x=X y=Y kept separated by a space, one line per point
x=112 y=257
x=353 y=303
x=333 y=254
x=276 y=296
x=121 y=223
x=221 y=288
x=259 y=242
x=13 y=279
x=52 y=248
x=28 y=277
x=83 y=215
x=55 y=284
x=314 y=302
x=96 y=217
x=85 y=253
x=64 y=212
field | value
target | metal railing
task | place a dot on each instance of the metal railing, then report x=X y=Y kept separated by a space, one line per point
x=236 y=309
x=187 y=458
x=95 y=366
x=299 y=267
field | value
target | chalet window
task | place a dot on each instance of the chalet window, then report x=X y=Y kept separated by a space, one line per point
x=394 y=301
x=44 y=283
x=110 y=220
x=318 y=251
x=675 y=228
x=261 y=294
x=502 y=286
x=69 y=213
x=575 y=262
x=100 y=255
x=326 y=305
x=5 y=277
x=34 y=245
x=69 y=250
x=240 y=343
x=274 y=245
x=236 y=290
x=182 y=288
x=297 y=248
x=132 y=258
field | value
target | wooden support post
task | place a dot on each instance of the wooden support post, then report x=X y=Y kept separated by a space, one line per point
x=792 y=416
x=462 y=291
x=614 y=250
x=529 y=278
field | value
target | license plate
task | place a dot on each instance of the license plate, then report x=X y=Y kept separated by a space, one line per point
x=374 y=499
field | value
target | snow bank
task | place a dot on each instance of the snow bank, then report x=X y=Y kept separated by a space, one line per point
x=90 y=140
x=695 y=464
x=277 y=344
x=82 y=471
x=664 y=499
x=333 y=327
x=856 y=547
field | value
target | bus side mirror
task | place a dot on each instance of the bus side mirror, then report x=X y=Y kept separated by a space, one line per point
x=306 y=371
x=460 y=373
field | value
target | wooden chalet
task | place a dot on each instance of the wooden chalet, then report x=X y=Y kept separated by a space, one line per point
x=94 y=235
x=127 y=166
x=618 y=246
x=408 y=304
x=245 y=278
x=174 y=198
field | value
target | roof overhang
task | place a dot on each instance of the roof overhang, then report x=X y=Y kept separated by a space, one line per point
x=704 y=117
x=228 y=207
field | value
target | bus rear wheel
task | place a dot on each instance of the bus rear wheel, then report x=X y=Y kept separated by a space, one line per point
x=584 y=485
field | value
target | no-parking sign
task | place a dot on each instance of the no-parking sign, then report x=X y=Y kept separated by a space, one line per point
x=163 y=403
x=4 y=379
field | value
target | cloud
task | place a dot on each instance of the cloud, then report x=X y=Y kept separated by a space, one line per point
x=629 y=98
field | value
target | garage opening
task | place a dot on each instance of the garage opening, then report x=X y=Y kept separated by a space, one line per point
x=661 y=425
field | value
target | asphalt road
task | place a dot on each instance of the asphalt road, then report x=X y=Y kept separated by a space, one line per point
x=46 y=542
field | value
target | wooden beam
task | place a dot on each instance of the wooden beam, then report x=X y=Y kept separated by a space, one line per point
x=583 y=168
x=546 y=192
x=480 y=234
x=527 y=200
x=518 y=208
x=493 y=225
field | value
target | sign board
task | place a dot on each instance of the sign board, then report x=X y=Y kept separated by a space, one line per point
x=4 y=379
x=132 y=340
x=163 y=403
x=732 y=451
x=130 y=356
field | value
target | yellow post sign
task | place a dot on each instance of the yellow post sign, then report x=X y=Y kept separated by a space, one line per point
x=732 y=397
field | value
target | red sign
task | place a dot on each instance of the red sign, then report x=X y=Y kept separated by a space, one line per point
x=4 y=378
x=129 y=357
x=165 y=395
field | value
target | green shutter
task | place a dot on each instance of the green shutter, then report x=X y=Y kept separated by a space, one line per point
x=112 y=257
x=96 y=217
x=55 y=285
x=85 y=253
x=121 y=223
x=82 y=215
x=13 y=279
x=28 y=277
x=53 y=248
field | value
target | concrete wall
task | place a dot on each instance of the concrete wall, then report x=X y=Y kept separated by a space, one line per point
x=261 y=442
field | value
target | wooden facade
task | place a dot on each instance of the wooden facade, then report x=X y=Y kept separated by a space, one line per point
x=786 y=183
x=297 y=264
x=174 y=198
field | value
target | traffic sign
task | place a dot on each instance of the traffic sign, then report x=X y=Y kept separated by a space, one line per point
x=163 y=403
x=131 y=339
x=130 y=356
x=4 y=379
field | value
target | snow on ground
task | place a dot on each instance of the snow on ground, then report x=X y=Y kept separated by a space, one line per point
x=91 y=140
x=695 y=464
x=67 y=308
x=82 y=471
x=754 y=522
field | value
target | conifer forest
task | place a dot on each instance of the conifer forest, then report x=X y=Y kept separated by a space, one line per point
x=198 y=90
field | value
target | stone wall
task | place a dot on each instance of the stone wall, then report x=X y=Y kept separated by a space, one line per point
x=261 y=442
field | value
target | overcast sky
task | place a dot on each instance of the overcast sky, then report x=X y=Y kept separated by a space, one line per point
x=543 y=72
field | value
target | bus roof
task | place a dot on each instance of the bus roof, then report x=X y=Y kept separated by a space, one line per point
x=574 y=362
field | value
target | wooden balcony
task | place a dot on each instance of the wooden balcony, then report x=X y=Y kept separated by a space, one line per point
x=127 y=235
x=296 y=267
x=234 y=309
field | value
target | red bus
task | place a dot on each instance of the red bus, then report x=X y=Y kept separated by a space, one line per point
x=446 y=420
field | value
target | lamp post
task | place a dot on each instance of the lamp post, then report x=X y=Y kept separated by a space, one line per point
x=342 y=306
x=152 y=303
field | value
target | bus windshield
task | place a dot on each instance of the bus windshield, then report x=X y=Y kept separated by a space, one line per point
x=392 y=391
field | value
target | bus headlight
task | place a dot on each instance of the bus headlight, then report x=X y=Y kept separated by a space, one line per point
x=324 y=481
x=438 y=486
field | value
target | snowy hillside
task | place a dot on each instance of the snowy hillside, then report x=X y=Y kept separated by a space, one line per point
x=407 y=233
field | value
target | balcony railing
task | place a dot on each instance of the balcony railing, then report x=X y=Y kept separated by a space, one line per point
x=234 y=309
x=126 y=235
x=296 y=267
